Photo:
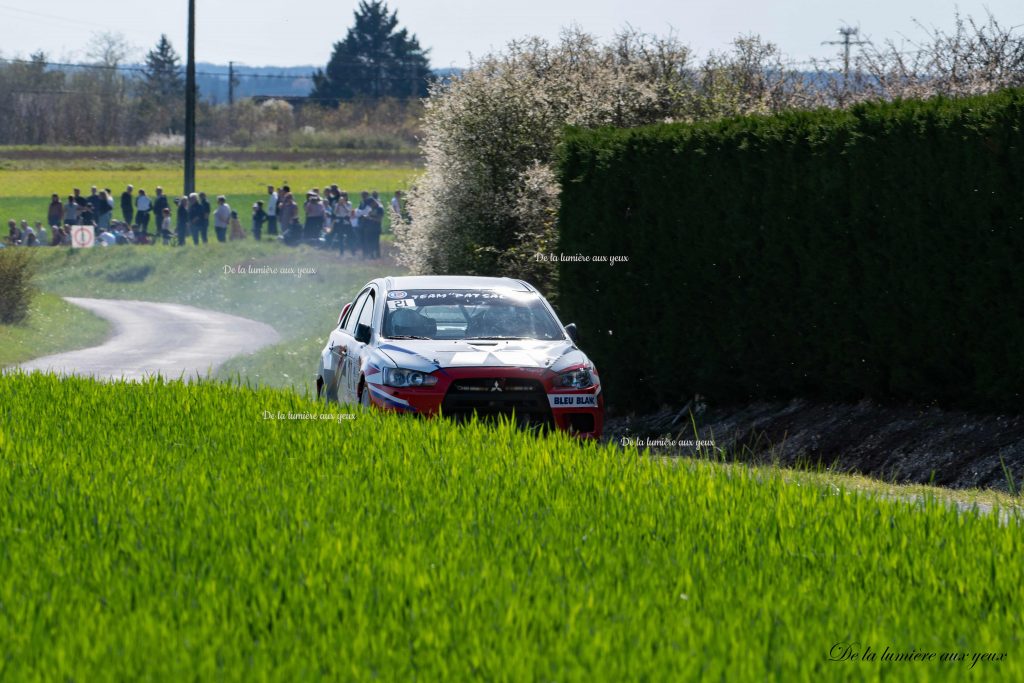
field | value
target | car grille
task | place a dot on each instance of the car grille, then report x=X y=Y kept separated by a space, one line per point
x=498 y=396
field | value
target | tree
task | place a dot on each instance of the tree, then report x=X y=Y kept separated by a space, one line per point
x=489 y=200
x=374 y=60
x=161 y=102
x=162 y=75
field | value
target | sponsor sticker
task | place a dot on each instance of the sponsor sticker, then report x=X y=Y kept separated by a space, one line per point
x=397 y=294
x=573 y=400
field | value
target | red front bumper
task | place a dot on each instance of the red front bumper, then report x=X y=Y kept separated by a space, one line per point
x=526 y=392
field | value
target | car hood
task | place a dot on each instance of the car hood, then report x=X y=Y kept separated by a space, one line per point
x=429 y=355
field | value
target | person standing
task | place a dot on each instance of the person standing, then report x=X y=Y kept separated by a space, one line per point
x=182 y=217
x=196 y=218
x=143 y=206
x=84 y=208
x=95 y=204
x=128 y=205
x=343 y=224
x=372 y=213
x=160 y=202
x=236 y=227
x=396 y=207
x=314 y=215
x=271 y=211
x=222 y=218
x=165 y=225
x=70 y=211
x=103 y=210
x=259 y=217
x=204 y=227
x=55 y=212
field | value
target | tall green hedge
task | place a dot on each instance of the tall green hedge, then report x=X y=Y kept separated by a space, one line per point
x=874 y=252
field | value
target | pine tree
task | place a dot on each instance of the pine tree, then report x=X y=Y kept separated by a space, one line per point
x=162 y=89
x=162 y=74
x=374 y=60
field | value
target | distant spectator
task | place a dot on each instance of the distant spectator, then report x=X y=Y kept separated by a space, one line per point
x=196 y=218
x=314 y=209
x=271 y=211
x=259 y=217
x=236 y=227
x=95 y=204
x=165 y=224
x=143 y=207
x=103 y=210
x=30 y=237
x=182 y=220
x=57 y=236
x=343 y=212
x=127 y=205
x=70 y=211
x=109 y=196
x=85 y=215
x=55 y=212
x=13 y=233
x=287 y=211
x=222 y=218
x=396 y=206
x=107 y=238
x=204 y=227
x=370 y=211
x=160 y=203
x=41 y=233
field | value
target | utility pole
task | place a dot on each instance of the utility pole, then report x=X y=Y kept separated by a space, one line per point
x=190 y=103
x=847 y=33
x=231 y=84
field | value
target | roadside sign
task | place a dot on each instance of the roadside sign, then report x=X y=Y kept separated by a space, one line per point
x=82 y=236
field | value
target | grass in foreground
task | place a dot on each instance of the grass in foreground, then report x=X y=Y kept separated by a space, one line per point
x=200 y=540
x=53 y=326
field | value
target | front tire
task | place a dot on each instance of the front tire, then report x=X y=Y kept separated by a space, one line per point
x=364 y=398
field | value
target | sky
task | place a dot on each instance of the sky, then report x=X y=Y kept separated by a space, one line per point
x=258 y=33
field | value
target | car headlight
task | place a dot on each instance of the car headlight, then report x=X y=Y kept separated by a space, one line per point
x=400 y=377
x=576 y=379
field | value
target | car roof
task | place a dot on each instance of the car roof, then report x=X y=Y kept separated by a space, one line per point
x=455 y=282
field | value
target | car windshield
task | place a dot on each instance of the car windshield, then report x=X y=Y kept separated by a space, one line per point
x=468 y=314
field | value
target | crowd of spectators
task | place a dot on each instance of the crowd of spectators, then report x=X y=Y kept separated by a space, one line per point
x=329 y=220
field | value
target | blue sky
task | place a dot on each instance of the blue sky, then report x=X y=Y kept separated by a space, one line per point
x=257 y=32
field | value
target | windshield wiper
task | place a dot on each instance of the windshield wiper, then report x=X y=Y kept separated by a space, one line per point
x=407 y=336
x=496 y=337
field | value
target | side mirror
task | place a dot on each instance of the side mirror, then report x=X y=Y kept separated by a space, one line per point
x=573 y=334
x=363 y=333
x=344 y=311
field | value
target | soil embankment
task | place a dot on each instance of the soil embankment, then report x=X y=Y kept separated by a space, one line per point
x=901 y=444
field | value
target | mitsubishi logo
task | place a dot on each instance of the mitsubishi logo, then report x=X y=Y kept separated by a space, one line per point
x=498 y=385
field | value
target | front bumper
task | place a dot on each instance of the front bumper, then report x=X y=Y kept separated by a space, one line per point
x=528 y=394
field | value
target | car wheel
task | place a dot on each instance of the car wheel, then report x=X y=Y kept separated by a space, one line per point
x=364 y=398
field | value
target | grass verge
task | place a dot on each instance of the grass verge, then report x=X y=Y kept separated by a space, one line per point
x=52 y=326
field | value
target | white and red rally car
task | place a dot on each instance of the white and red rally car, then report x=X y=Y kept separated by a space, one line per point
x=461 y=345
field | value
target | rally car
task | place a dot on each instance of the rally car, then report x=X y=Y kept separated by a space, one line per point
x=460 y=346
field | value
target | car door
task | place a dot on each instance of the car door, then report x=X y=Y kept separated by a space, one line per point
x=357 y=348
x=345 y=348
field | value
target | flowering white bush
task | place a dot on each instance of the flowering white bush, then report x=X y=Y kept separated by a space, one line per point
x=488 y=202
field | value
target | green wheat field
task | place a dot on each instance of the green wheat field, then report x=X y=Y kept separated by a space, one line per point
x=168 y=531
